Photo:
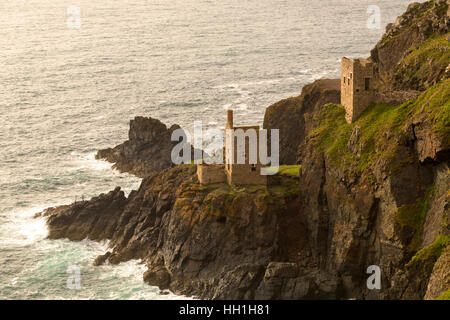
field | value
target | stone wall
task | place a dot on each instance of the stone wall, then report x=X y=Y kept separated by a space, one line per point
x=357 y=87
x=347 y=87
x=363 y=92
x=210 y=173
x=247 y=172
x=241 y=174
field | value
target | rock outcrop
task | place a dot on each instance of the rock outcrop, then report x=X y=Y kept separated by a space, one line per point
x=147 y=150
x=400 y=65
x=93 y=219
x=291 y=115
x=440 y=277
x=211 y=241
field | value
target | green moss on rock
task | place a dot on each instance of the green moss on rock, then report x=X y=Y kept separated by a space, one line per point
x=425 y=64
x=444 y=296
x=333 y=134
x=413 y=215
x=425 y=258
x=290 y=170
x=381 y=128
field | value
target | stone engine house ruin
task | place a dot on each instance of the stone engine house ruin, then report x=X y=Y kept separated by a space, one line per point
x=357 y=82
x=237 y=146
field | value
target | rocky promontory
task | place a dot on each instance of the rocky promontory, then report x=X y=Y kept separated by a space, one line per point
x=147 y=150
x=374 y=192
x=211 y=241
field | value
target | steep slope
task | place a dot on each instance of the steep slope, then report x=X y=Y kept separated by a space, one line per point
x=401 y=69
x=376 y=191
x=291 y=115
x=146 y=151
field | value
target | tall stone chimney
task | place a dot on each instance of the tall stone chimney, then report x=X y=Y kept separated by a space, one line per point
x=229 y=119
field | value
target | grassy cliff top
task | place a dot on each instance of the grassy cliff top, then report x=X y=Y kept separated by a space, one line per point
x=378 y=131
x=424 y=65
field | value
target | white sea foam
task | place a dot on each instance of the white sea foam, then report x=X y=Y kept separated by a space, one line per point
x=24 y=231
x=319 y=75
x=20 y=228
x=88 y=161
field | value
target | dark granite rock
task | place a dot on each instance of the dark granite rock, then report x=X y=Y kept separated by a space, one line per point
x=291 y=116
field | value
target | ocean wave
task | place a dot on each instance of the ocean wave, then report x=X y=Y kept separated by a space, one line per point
x=20 y=228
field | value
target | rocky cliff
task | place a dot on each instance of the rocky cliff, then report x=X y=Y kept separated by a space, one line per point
x=405 y=58
x=147 y=150
x=210 y=241
x=291 y=115
x=374 y=192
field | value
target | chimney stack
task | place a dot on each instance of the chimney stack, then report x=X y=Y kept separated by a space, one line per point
x=230 y=119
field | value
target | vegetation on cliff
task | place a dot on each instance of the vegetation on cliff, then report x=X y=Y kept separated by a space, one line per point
x=412 y=52
x=286 y=170
x=413 y=216
x=389 y=165
x=427 y=257
x=424 y=65
x=444 y=296
x=224 y=201
x=379 y=130
x=333 y=134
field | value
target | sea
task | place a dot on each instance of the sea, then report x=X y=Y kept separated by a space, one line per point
x=73 y=73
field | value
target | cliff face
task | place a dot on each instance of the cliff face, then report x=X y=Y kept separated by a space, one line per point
x=372 y=194
x=291 y=115
x=211 y=241
x=403 y=58
x=375 y=192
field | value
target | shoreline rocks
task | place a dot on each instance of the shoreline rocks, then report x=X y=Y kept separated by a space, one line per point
x=147 y=150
